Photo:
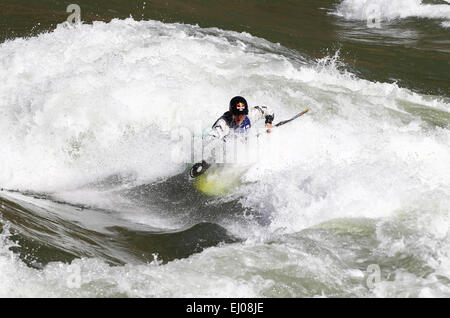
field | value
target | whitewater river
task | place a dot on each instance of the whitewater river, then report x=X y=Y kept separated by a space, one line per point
x=350 y=200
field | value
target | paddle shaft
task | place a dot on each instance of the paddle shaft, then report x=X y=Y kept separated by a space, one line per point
x=289 y=120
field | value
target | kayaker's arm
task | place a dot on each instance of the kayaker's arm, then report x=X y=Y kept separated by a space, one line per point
x=219 y=130
x=216 y=136
x=262 y=112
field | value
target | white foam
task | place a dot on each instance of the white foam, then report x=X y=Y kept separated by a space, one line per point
x=79 y=104
x=83 y=103
x=362 y=162
x=88 y=102
x=237 y=270
x=389 y=10
x=281 y=269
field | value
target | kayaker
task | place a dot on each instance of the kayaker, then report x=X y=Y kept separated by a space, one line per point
x=239 y=118
x=236 y=122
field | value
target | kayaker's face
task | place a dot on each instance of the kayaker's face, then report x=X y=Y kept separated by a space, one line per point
x=239 y=119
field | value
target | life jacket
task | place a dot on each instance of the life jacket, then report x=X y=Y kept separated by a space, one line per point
x=234 y=128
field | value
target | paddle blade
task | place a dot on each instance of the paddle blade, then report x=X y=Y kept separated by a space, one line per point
x=198 y=169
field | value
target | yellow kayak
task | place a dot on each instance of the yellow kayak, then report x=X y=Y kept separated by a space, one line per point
x=219 y=180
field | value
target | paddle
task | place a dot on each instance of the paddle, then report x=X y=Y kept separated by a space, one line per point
x=281 y=123
x=199 y=168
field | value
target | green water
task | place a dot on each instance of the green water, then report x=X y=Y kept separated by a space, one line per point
x=414 y=53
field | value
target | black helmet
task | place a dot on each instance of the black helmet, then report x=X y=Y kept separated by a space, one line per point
x=238 y=106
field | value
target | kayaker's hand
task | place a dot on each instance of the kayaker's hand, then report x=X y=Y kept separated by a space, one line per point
x=269 y=126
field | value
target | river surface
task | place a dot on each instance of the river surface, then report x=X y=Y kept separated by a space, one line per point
x=350 y=200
